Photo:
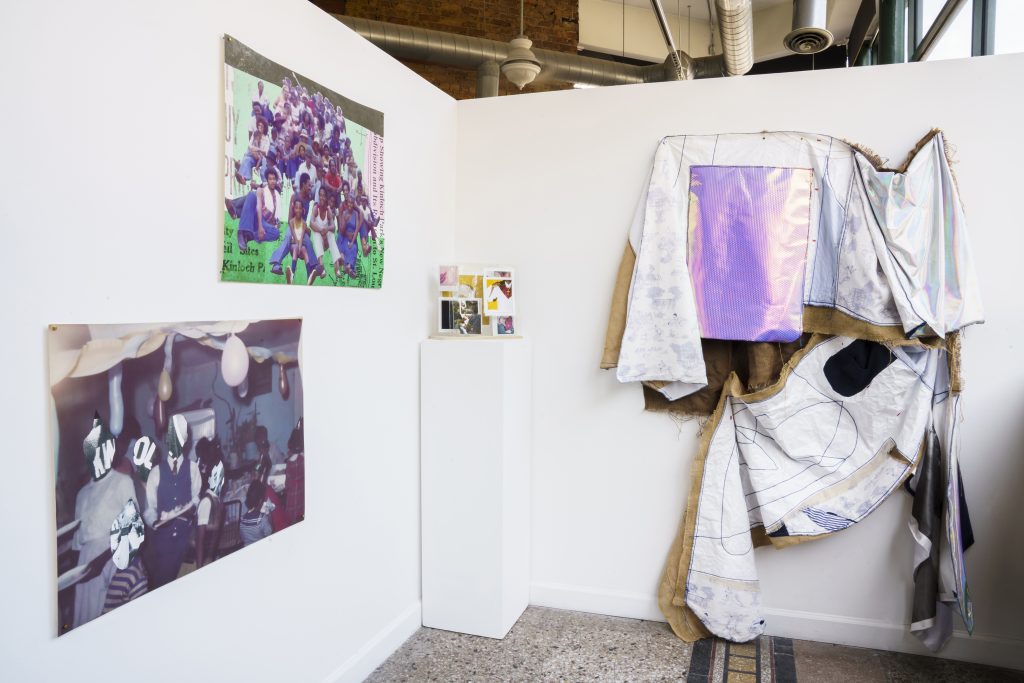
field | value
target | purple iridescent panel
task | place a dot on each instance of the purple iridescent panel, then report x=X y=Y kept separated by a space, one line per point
x=747 y=250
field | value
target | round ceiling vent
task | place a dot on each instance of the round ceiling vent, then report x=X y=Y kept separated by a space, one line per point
x=807 y=40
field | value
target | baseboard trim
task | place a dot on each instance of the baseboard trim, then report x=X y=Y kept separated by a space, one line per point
x=379 y=647
x=826 y=628
x=580 y=599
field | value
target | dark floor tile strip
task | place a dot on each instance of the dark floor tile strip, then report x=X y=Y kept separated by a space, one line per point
x=783 y=661
x=757 y=658
x=701 y=661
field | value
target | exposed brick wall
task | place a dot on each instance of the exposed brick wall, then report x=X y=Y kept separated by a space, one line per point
x=550 y=24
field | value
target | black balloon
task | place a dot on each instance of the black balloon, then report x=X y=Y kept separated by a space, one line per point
x=282 y=383
x=160 y=415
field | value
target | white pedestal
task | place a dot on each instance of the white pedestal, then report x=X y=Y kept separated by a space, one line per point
x=475 y=483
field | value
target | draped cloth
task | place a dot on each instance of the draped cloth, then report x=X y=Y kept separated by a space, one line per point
x=804 y=458
x=809 y=302
x=657 y=331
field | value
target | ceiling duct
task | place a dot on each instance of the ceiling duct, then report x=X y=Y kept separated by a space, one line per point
x=438 y=47
x=736 y=26
x=809 y=34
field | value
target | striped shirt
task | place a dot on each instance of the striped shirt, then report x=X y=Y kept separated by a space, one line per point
x=126 y=584
x=254 y=526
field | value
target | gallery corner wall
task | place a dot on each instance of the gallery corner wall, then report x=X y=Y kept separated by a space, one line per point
x=113 y=198
x=610 y=480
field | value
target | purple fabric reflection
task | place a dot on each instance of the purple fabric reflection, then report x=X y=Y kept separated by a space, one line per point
x=748 y=249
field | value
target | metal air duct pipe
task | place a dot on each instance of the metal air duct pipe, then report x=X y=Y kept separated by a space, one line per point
x=438 y=47
x=736 y=26
x=809 y=34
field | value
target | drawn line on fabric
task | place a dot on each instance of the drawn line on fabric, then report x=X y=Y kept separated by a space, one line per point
x=721 y=516
x=807 y=237
x=835 y=431
x=758 y=421
x=727 y=578
x=828 y=158
x=867 y=512
x=830 y=469
x=898 y=354
x=682 y=157
x=700 y=503
x=819 y=349
x=860 y=518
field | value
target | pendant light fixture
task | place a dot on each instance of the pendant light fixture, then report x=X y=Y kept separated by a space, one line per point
x=521 y=65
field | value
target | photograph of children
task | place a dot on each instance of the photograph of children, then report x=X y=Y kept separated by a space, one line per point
x=303 y=179
x=497 y=288
x=175 y=444
x=503 y=325
x=449 y=278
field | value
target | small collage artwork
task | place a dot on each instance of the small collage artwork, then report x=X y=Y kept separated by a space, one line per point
x=476 y=301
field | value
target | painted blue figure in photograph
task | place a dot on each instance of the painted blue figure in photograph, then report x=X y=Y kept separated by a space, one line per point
x=258 y=219
x=347 y=239
x=299 y=209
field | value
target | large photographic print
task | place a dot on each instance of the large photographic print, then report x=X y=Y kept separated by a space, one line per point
x=303 y=179
x=174 y=445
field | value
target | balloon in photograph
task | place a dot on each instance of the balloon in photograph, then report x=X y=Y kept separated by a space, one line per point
x=282 y=384
x=164 y=388
x=234 y=363
x=116 y=399
x=159 y=415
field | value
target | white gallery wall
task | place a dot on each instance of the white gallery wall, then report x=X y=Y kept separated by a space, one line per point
x=609 y=480
x=111 y=191
x=112 y=199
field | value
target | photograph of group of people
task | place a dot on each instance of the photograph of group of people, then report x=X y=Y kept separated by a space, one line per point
x=303 y=179
x=162 y=466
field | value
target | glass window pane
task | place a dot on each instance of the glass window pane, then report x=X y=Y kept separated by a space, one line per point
x=930 y=9
x=1009 y=27
x=955 y=42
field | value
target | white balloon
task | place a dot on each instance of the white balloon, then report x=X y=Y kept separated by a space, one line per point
x=234 y=362
x=116 y=399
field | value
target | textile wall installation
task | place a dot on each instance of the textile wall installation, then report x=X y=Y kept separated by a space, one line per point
x=865 y=275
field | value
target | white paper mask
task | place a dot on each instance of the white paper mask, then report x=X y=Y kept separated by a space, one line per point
x=127 y=532
x=142 y=456
x=217 y=478
x=98 y=447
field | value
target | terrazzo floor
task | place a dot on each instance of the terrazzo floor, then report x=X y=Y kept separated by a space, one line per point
x=557 y=645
